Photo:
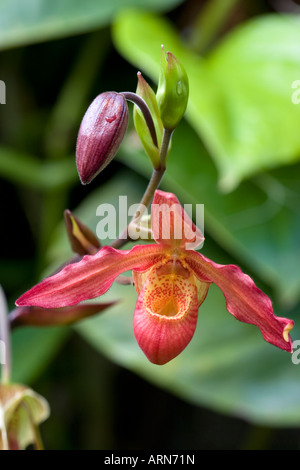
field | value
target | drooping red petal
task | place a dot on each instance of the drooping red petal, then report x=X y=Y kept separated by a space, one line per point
x=38 y=316
x=166 y=314
x=171 y=225
x=90 y=277
x=243 y=299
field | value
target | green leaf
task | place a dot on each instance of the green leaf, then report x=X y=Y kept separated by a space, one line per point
x=40 y=20
x=29 y=171
x=258 y=64
x=240 y=94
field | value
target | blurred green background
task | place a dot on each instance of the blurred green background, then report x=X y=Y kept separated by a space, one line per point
x=237 y=152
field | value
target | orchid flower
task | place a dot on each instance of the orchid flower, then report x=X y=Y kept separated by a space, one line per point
x=171 y=280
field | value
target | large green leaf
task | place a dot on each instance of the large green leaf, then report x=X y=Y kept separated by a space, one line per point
x=30 y=171
x=227 y=366
x=39 y=20
x=240 y=94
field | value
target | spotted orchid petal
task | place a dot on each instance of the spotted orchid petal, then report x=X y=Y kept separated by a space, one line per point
x=243 y=299
x=171 y=226
x=166 y=312
x=90 y=277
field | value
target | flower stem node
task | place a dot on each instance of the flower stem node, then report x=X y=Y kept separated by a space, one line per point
x=101 y=132
x=173 y=91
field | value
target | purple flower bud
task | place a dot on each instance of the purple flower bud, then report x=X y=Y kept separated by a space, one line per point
x=101 y=132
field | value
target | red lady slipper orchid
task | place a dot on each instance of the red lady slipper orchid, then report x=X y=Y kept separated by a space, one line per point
x=171 y=280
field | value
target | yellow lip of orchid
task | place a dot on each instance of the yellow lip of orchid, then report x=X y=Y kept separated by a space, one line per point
x=166 y=312
x=171 y=279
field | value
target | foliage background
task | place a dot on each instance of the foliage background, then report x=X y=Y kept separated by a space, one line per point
x=237 y=152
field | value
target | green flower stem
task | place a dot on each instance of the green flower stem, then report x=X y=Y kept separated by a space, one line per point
x=154 y=182
x=165 y=146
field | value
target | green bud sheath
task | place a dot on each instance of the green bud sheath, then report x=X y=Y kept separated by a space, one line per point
x=145 y=91
x=173 y=91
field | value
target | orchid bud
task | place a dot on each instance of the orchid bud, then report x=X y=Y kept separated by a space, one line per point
x=101 y=132
x=82 y=239
x=173 y=91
